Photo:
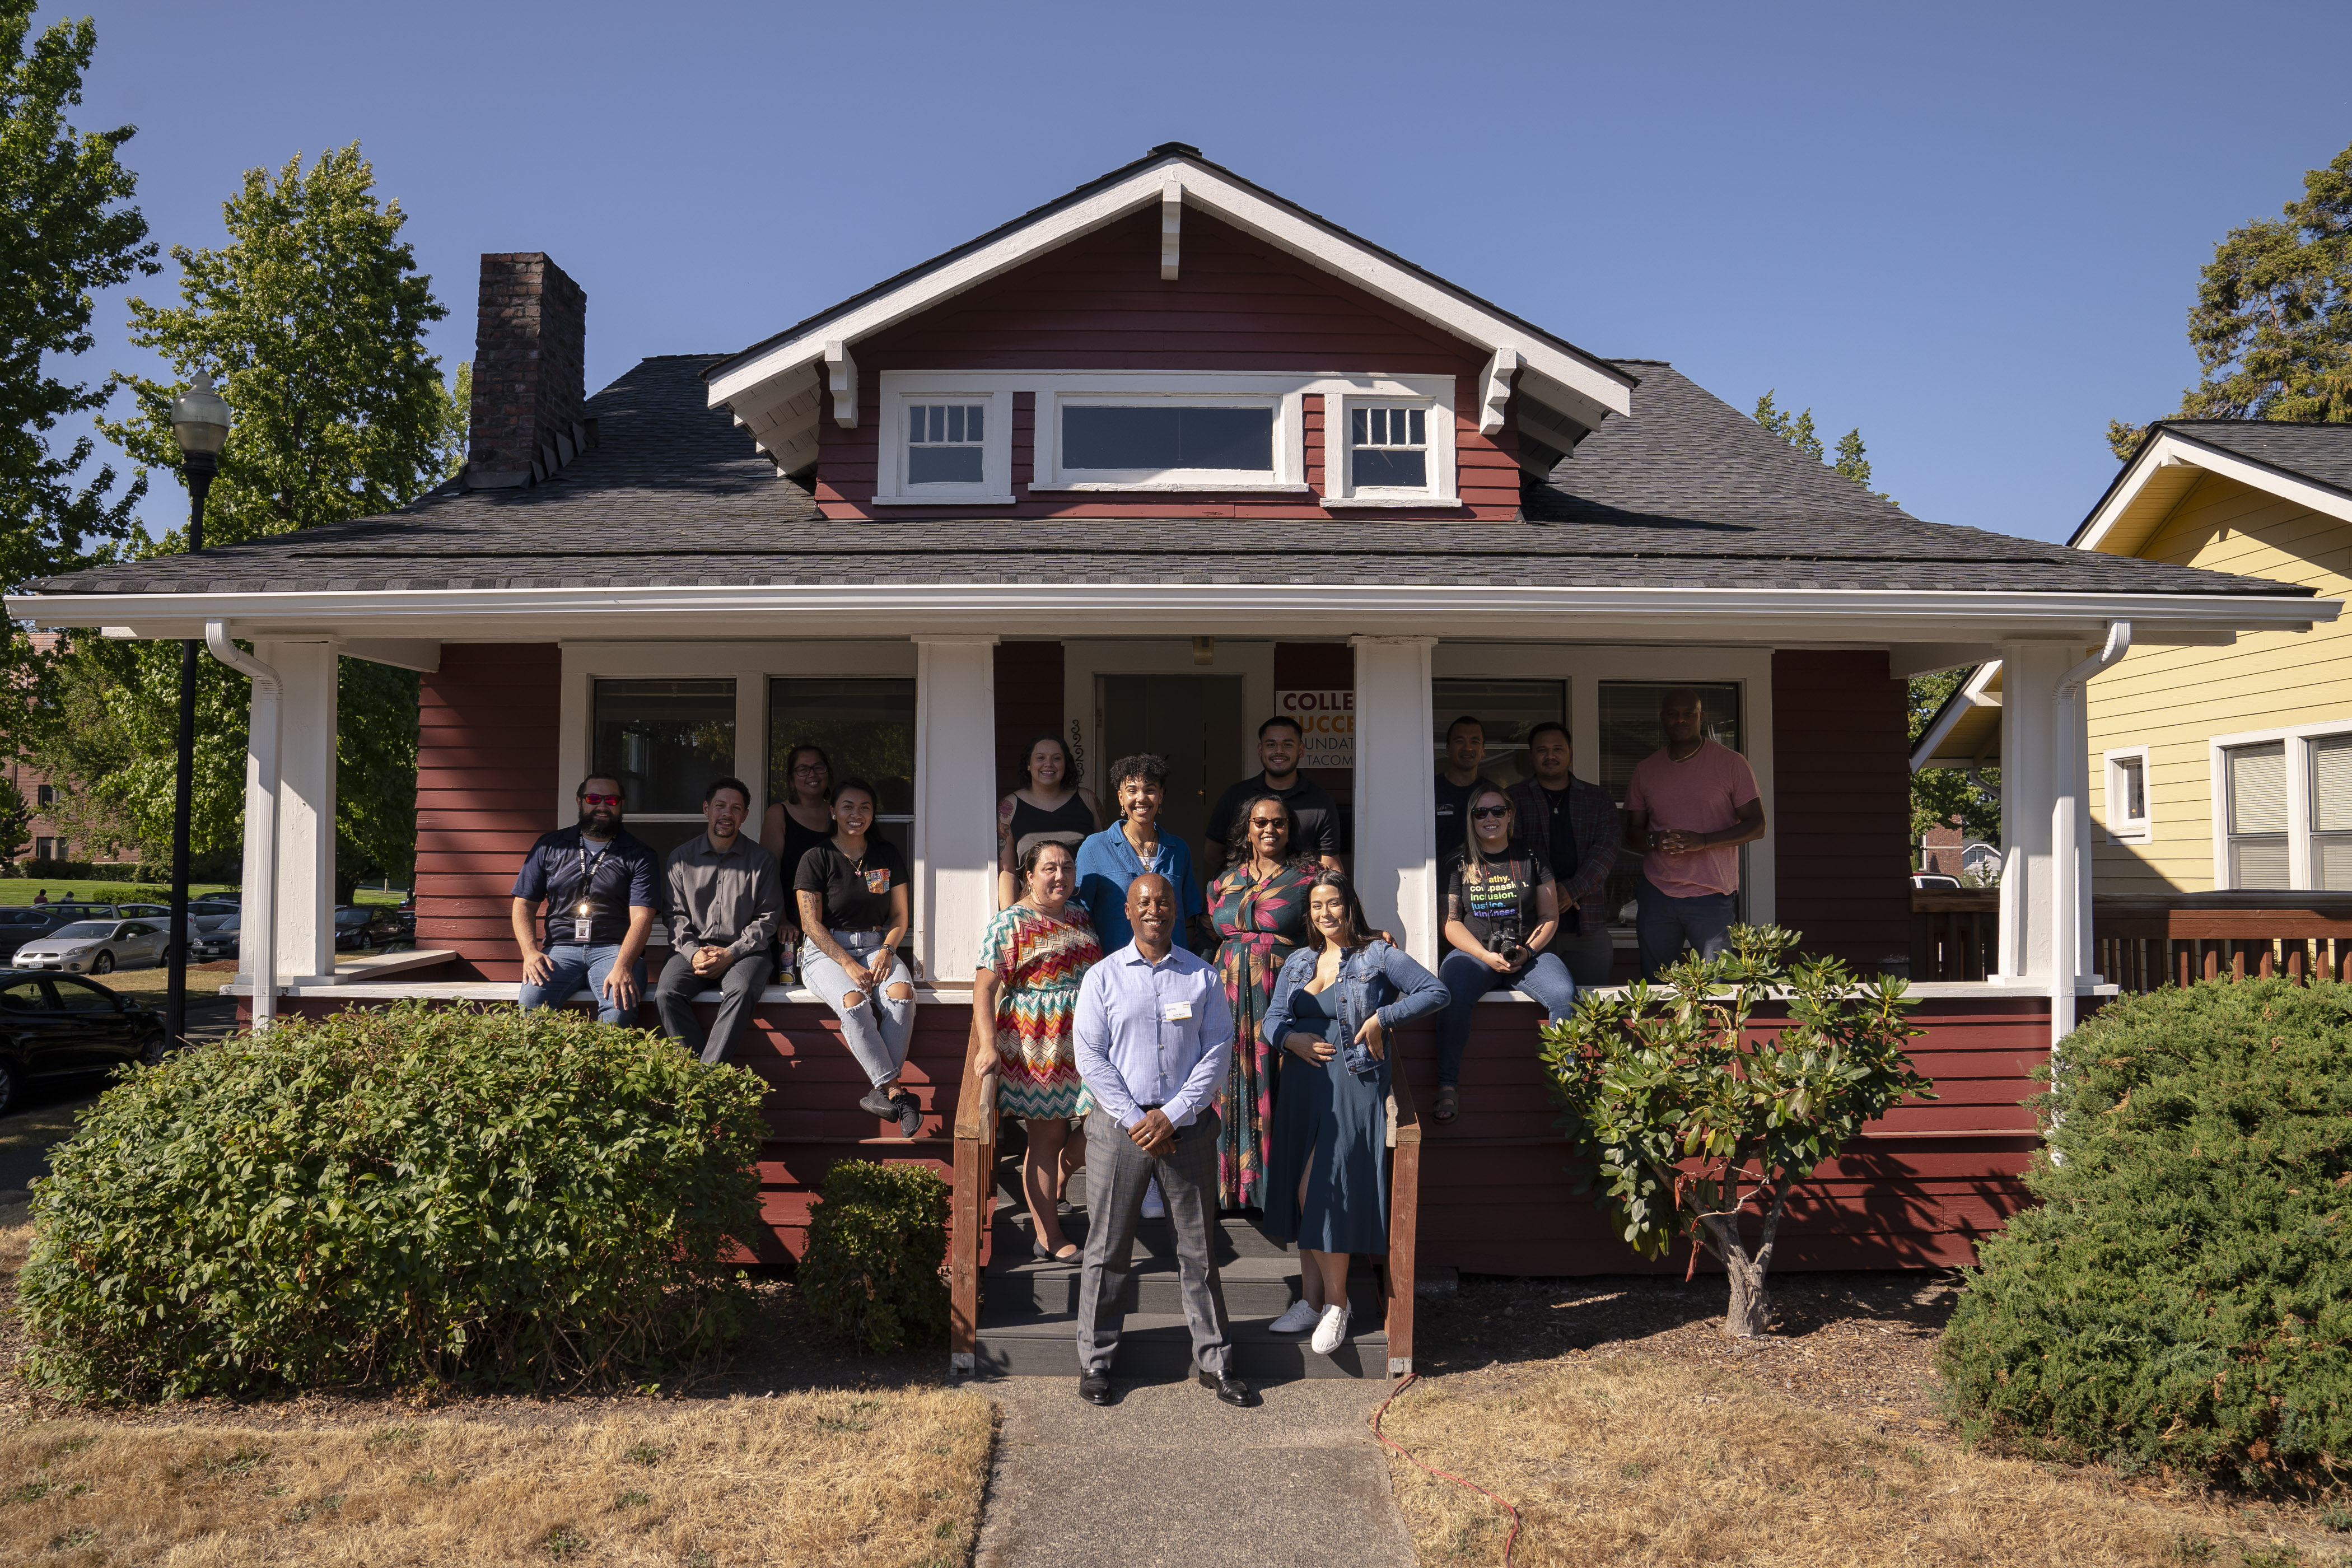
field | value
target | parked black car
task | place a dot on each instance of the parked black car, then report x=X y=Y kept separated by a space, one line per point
x=61 y=1025
x=216 y=942
x=365 y=925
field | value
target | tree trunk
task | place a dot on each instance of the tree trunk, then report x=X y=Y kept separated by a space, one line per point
x=1748 y=1316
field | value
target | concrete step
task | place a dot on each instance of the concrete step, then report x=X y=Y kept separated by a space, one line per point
x=1157 y=1347
x=1254 y=1286
x=1237 y=1238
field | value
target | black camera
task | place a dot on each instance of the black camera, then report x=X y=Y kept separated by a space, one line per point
x=1505 y=946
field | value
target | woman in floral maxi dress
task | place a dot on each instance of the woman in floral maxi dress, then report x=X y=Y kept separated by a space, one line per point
x=1025 y=999
x=1259 y=908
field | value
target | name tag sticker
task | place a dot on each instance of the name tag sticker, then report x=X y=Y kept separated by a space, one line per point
x=878 y=881
x=1178 y=1010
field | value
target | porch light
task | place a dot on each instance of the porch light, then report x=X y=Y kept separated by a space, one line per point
x=200 y=419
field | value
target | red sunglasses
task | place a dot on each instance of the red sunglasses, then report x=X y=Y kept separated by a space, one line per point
x=600 y=800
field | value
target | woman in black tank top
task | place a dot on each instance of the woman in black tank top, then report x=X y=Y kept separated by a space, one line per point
x=1046 y=807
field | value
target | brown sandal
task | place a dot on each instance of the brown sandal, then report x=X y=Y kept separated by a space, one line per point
x=1449 y=1104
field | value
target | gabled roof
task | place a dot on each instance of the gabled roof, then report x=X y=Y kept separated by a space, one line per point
x=1691 y=494
x=2310 y=464
x=783 y=371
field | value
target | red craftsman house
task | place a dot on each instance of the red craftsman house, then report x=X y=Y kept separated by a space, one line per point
x=1157 y=459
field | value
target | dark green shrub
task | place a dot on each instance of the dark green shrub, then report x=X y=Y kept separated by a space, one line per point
x=2183 y=1294
x=876 y=1242
x=396 y=1196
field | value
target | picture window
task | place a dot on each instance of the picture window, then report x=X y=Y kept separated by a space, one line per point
x=1165 y=437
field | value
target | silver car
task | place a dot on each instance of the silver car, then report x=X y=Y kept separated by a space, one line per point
x=97 y=947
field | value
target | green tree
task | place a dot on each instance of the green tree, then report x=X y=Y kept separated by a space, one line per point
x=16 y=822
x=67 y=230
x=312 y=320
x=457 y=419
x=1796 y=430
x=2273 y=321
x=1949 y=797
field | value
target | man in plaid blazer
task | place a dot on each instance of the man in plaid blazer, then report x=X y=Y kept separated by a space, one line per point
x=1575 y=826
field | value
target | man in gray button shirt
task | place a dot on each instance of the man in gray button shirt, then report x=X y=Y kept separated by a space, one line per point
x=726 y=901
x=1154 y=1035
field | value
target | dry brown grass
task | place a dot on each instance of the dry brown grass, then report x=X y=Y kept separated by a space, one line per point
x=881 y=1478
x=16 y=1237
x=1639 y=1461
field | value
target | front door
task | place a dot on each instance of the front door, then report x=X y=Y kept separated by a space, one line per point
x=1194 y=722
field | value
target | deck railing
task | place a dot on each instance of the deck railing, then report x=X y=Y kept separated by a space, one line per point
x=2145 y=941
x=969 y=1210
x=1955 y=932
x=1404 y=1220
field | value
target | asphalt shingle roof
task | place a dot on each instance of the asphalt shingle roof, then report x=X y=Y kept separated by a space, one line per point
x=1688 y=493
x=2320 y=453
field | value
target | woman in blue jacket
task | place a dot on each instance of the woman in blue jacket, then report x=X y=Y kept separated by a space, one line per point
x=1337 y=1003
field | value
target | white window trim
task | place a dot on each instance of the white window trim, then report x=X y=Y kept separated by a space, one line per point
x=2298 y=739
x=1287 y=390
x=995 y=487
x=1338 y=448
x=2122 y=829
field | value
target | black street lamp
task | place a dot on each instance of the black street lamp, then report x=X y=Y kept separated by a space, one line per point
x=200 y=425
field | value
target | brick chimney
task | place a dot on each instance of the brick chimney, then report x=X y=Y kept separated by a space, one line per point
x=530 y=372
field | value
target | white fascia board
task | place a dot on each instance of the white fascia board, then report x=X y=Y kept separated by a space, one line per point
x=1606 y=387
x=2171 y=449
x=1451 y=610
x=1974 y=694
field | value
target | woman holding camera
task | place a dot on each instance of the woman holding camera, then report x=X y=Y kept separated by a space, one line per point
x=1337 y=1000
x=1501 y=909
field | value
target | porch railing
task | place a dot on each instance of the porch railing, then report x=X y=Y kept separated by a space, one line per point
x=1955 y=932
x=2145 y=941
x=1404 y=1221
x=969 y=1206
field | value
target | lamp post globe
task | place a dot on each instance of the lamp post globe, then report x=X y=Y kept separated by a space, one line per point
x=200 y=425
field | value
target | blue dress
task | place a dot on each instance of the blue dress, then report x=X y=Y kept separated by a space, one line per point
x=1338 y=1117
x=1108 y=863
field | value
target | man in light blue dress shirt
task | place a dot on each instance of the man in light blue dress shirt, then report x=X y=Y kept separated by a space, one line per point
x=1154 y=1035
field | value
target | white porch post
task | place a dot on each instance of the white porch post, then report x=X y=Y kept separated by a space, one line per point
x=2045 y=927
x=1396 y=791
x=955 y=802
x=305 y=806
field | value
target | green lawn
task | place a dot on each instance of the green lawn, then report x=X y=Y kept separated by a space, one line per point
x=18 y=891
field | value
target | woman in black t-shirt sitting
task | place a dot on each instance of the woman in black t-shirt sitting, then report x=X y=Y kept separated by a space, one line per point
x=851 y=894
x=1501 y=909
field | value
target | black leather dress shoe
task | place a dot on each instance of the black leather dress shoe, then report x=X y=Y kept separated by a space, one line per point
x=1094 y=1388
x=1230 y=1389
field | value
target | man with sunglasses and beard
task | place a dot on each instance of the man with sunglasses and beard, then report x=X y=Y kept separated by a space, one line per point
x=601 y=890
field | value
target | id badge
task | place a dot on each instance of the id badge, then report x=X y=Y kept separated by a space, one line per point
x=583 y=921
x=1178 y=1010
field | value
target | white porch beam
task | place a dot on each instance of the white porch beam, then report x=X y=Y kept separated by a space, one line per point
x=955 y=803
x=305 y=806
x=420 y=654
x=1396 y=791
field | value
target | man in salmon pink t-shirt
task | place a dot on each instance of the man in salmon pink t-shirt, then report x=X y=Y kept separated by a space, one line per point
x=1692 y=803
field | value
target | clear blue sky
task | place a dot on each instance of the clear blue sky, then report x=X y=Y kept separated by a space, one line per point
x=1971 y=231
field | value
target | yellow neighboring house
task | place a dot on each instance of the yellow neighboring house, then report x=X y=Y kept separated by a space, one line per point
x=2213 y=768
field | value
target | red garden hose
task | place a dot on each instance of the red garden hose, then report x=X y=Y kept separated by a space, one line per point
x=1409 y=1380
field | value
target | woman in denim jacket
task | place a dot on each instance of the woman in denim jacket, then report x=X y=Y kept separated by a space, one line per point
x=1335 y=1005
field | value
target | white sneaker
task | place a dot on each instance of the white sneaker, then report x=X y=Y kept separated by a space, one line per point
x=1153 y=1207
x=1297 y=1320
x=1332 y=1331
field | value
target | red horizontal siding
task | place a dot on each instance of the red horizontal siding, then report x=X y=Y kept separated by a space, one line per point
x=1098 y=303
x=1840 y=806
x=485 y=778
x=1498 y=1186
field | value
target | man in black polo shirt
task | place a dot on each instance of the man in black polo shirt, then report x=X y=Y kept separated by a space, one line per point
x=602 y=887
x=1280 y=743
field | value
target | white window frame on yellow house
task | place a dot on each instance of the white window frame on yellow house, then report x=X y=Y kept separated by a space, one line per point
x=2122 y=826
x=2298 y=741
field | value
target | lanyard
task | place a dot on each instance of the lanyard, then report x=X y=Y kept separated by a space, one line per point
x=582 y=914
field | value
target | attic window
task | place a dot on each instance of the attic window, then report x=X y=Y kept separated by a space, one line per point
x=1396 y=451
x=1154 y=438
x=944 y=443
x=1389 y=447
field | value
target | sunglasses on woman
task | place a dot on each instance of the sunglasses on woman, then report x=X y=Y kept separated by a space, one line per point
x=1491 y=813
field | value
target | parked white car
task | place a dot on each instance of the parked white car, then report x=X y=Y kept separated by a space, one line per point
x=97 y=947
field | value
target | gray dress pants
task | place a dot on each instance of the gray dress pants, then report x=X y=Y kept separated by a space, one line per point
x=739 y=988
x=1116 y=1173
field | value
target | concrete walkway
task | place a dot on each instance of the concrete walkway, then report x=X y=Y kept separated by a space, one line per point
x=1169 y=1477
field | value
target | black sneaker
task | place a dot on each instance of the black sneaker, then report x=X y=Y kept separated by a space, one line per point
x=879 y=1102
x=910 y=1114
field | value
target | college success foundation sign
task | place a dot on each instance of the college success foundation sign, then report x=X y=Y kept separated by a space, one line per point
x=1329 y=718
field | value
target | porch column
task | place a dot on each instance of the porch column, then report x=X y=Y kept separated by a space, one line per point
x=955 y=802
x=2042 y=747
x=305 y=806
x=1396 y=793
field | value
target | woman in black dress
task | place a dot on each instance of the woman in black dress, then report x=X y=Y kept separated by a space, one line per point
x=1046 y=807
x=1339 y=1000
x=803 y=818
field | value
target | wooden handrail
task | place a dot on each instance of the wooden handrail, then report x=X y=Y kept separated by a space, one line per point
x=968 y=1207
x=1404 y=1218
x=2147 y=939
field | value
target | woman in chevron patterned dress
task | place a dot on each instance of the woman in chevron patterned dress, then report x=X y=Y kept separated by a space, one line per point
x=1259 y=907
x=1035 y=953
